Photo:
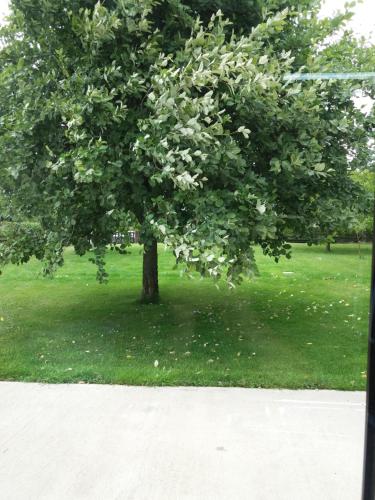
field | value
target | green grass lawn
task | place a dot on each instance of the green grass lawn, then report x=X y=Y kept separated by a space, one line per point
x=302 y=330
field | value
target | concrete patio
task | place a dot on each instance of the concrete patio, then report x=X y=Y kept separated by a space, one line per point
x=101 y=442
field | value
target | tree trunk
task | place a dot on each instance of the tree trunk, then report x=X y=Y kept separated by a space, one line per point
x=328 y=246
x=150 y=290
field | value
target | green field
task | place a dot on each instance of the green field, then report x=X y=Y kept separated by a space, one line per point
x=307 y=329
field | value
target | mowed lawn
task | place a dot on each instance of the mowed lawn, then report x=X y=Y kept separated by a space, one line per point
x=303 y=329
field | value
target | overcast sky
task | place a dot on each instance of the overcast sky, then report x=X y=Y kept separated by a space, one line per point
x=363 y=22
x=3 y=7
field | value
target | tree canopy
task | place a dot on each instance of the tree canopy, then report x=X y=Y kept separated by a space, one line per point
x=128 y=113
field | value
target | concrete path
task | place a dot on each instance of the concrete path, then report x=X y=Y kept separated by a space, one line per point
x=67 y=442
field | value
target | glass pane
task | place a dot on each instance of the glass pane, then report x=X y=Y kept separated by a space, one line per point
x=186 y=202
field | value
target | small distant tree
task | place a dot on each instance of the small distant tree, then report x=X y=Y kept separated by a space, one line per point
x=129 y=113
x=332 y=218
x=350 y=218
x=364 y=224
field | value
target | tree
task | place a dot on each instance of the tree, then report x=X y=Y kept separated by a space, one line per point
x=114 y=117
x=335 y=218
x=348 y=218
x=364 y=222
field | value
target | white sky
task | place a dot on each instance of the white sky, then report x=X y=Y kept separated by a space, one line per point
x=363 y=22
x=3 y=8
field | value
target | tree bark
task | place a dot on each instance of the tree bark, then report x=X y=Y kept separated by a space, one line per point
x=328 y=246
x=150 y=290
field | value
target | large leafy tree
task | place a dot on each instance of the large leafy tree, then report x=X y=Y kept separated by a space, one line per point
x=128 y=113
